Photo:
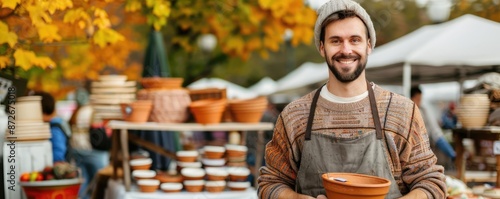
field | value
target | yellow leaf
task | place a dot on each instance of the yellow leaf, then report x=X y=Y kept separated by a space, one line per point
x=38 y=15
x=75 y=15
x=23 y=58
x=6 y=36
x=133 y=5
x=265 y=3
x=4 y=61
x=43 y=62
x=10 y=3
x=107 y=36
x=53 y=5
x=162 y=9
x=48 y=33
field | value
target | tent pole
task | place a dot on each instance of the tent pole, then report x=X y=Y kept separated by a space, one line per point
x=406 y=79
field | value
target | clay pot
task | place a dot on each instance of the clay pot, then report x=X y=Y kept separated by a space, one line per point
x=216 y=174
x=137 y=111
x=248 y=111
x=238 y=186
x=193 y=173
x=214 y=152
x=355 y=186
x=143 y=174
x=213 y=162
x=208 y=111
x=166 y=178
x=141 y=163
x=215 y=186
x=238 y=174
x=171 y=187
x=148 y=186
x=236 y=153
x=194 y=185
x=187 y=156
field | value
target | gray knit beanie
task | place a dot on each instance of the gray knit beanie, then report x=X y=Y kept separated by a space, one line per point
x=333 y=6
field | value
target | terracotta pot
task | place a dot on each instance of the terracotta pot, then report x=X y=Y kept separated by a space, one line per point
x=141 y=163
x=166 y=178
x=187 y=156
x=162 y=82
x=238 y=186
x=355 y=186
x=137 y=111
x=171 y=187
x=215 y=186
x=148 y=186
x=194 y=185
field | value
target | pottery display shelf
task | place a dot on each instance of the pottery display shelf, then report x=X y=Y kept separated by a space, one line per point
x=120 y=140
x=250 y=193
x=484 y=133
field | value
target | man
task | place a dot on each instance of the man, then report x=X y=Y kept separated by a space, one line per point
x=333 y=129
x=436 y=136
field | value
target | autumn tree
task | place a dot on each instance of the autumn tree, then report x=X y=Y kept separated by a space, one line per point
x=51 y=41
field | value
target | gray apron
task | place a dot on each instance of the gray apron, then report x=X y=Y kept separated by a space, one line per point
x=326 y=153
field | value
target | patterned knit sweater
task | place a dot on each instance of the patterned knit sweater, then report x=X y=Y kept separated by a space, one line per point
x=412 y=162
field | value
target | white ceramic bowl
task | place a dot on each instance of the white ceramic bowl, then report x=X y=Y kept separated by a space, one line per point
x=193 y=172
x=238 y=185
x=214 y=162
x=171 y=186
x=143 y=174
x=220 y=183
x=218 y=149
x=238 y=171
x=234 y=147
x=148 y=182
x=140 y=161
x=189 y=164
x=194 y=182
x=216 y=171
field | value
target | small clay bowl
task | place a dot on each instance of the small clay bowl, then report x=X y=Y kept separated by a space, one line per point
x=216 y=174
x=148 y=185
x=166 y=178
x=140 y=163
x=213 y=162
x=171 y=187
x=194 y=185
x=187 y=156
x=215 y=186
x=143 y=174
x=214 y=152
x=193 y=173
x=238 y=186
x=238 y=174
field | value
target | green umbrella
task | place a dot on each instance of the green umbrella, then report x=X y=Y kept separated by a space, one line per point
x=155 y=59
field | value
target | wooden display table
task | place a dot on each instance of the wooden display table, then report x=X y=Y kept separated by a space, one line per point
x=121 y=143
x=486 y=133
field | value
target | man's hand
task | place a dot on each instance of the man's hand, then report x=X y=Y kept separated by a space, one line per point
x=321 y=197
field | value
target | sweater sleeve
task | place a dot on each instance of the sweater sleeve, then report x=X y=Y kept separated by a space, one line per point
x=58 y=140
x=418 y=162
x=280 y=172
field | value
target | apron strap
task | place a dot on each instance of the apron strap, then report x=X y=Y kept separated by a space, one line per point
x=311 y=113
x=373 y=104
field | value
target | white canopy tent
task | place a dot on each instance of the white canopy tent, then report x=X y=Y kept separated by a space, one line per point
x=460 y=49
x=265 y=86
x=306 y=74
x=233 y=91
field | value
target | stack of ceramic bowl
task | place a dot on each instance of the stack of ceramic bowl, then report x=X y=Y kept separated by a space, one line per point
x=213 y=156
x=208 y=111
x=108 y=93
x=170 y=183
x=236 y=155
x=473 y=110
x=193 y=179
x=187 y=159
x=216 y=177
x=238 y=178
x=28 y=124
x=170 y=100
x=248 y=111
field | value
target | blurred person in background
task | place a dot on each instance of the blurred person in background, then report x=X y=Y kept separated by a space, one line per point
x=88 y=159
x=449 y=118
x=436 y=136
x=349 y=125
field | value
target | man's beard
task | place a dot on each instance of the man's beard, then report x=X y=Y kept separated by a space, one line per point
x=349 y=77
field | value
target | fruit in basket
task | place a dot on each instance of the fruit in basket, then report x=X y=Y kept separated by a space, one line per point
x=64 y=170
x=33 y=176
x=25 y=177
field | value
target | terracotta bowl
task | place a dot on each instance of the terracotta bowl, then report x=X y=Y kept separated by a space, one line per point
x=213 y=162
x=214 y=152
x=141 y=163
x=238 y=186
x=187 y=156
x=171 y=187
x=194 y=185
x=216 y=174
x=166 y=178
x=215 y=186
x=193 y=173
x=235 y=153
x=238 y=174
x=162 y=82
x=148 y=186
x=355 y=186
x=143 y=174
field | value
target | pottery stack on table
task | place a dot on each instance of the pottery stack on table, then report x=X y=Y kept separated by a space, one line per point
x=473 y=110
x=28 y=123
x=108 y=93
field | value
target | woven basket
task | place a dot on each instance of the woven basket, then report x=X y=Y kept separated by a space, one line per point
x=169 y=106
